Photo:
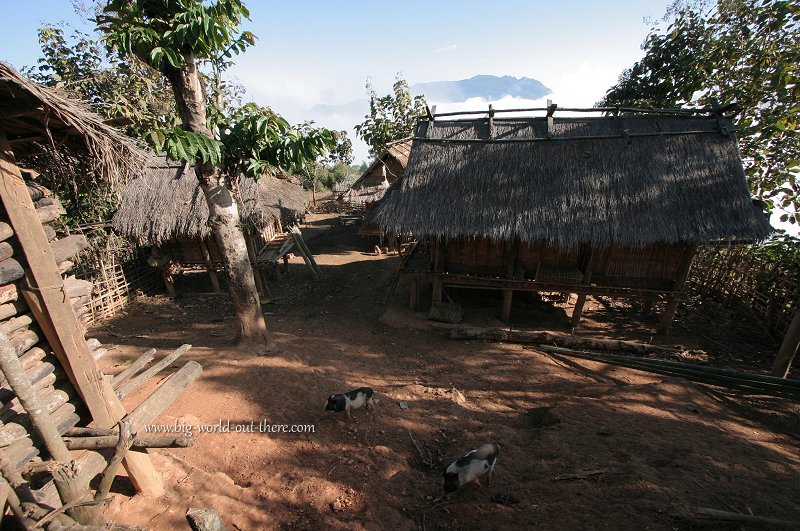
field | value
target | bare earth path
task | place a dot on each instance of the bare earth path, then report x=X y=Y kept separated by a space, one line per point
x=659 y=446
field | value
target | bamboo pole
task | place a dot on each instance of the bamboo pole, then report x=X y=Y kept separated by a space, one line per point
x=789 y=347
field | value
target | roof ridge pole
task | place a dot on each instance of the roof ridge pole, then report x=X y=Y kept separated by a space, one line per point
x=491 y=122
x=716 y=111
x=551 y=109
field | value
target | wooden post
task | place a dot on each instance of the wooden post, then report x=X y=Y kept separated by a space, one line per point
x=438 y=269
x=414 y=302
x=587 y=278
x=512 y=252
x=789 y=347
x=680 y=280
x=56 y=318
x=212 y=274
x=170 y=285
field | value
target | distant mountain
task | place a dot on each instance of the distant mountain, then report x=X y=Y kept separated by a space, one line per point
x=490 y=88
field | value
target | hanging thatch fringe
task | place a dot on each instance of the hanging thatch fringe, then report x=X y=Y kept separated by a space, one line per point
x=30 y=109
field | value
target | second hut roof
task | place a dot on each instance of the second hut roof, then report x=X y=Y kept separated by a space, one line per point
x=166 y=203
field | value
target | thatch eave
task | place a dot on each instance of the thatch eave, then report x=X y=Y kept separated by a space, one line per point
x=165 y=203
x=36 y=118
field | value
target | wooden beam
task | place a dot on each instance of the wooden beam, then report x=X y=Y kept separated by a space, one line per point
x=511 y=255
x=134 y=383
x=491 y=122
x=57 y=319
x=681 y=275
x=551 y=108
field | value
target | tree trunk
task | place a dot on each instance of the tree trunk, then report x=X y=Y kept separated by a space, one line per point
x=223 y=217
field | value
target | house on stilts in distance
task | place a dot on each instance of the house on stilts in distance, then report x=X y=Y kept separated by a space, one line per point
x=165 y=208
x=609 y=205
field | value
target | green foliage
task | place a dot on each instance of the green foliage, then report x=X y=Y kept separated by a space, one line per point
x=328 y=175
x=743 y=51
x=782 y=251
x=391 y=117
x=256 y=141
x=83 y=68
x=161 y=32
x=342 y=152
x=186 y=145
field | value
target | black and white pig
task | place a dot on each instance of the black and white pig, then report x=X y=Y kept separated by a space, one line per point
x=469 y=468
x=355 y=399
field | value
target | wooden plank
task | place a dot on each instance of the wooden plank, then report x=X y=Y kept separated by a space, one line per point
x=438 y=267
x=133 y=368
x=162 y=397
x=138 y=381
x=54 y=313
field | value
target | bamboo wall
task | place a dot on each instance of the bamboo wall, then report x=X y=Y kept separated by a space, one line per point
x=760 y=287
x=117 y=270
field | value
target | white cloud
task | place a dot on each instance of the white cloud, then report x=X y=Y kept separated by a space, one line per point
x=448 y=48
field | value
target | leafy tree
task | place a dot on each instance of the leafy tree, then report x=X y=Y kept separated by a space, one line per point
x=391 y=117
x=741 y=51
x=177 y=37
x=81 y=67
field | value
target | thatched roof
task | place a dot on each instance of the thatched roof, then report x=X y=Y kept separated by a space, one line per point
x=383 y=171
x=36 y=118
x=596 y=180
x=166 y=203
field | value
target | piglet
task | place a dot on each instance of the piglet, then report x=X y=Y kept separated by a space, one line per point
x=351 y=400
x=469 y=468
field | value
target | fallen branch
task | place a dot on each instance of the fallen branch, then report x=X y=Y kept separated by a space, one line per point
x=716 y=514
x=578 y=475
x=123 y=445
x=423 y=459
x=562 y=340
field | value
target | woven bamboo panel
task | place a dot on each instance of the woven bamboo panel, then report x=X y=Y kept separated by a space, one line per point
x=762 y=288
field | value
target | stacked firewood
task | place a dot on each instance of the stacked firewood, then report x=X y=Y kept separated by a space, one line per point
x=17 y=439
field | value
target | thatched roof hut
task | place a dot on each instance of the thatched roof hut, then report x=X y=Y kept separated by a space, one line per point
x=609 y=205
x=165 y=203
x=384 y=170
x=596 y=180
x=38 y=119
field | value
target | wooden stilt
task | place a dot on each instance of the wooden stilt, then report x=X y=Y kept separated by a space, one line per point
x=587 y=278
x=681 y=275
x=511 y=255
x=438 y=269
x=168 y=283
x=414 y=302
x=212 y=273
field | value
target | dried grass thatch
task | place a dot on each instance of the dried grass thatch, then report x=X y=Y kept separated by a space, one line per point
x=631 y=181
x=166 y=203
x=37 y=119
x=384 y=170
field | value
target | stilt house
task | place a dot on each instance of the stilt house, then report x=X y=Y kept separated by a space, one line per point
x=165 y=208
x=599 y=205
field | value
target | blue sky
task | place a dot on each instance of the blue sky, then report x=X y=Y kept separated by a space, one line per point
x=312 y=52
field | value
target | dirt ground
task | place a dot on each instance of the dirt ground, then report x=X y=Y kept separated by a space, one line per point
x=656 y=447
